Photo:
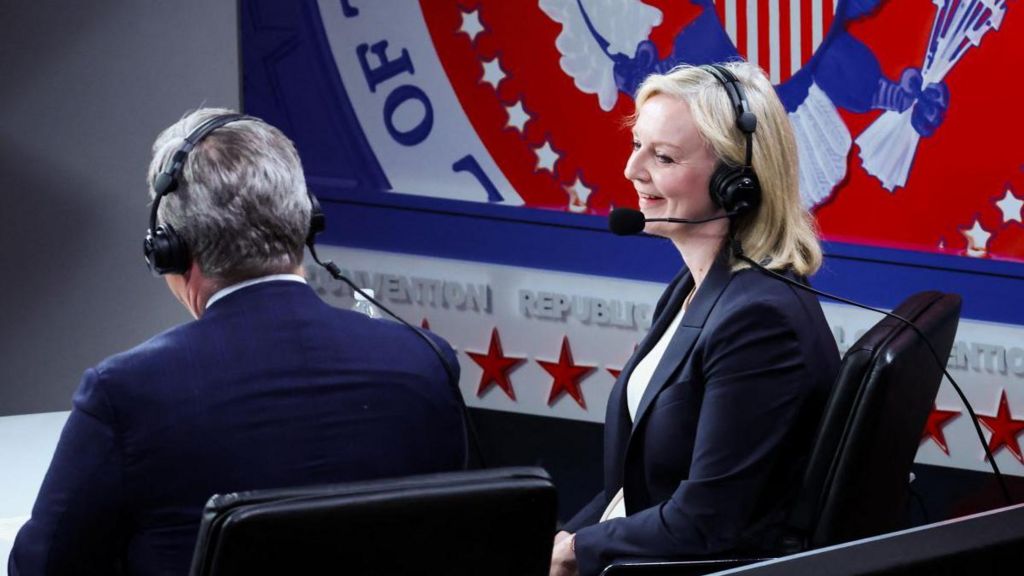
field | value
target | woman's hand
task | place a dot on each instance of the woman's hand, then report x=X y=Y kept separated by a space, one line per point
x=563 y=556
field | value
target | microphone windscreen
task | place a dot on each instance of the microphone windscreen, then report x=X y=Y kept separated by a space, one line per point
x=624 y=221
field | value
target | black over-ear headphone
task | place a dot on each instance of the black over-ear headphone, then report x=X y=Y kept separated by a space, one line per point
x=736 y=188
x=165 y=251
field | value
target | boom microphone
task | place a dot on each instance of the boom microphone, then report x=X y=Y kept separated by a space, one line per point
x=625 y=221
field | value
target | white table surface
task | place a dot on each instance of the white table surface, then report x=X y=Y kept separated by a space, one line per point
x=27 y=443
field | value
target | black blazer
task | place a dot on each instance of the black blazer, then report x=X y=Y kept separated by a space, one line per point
x=270 y=388
x=722 y=432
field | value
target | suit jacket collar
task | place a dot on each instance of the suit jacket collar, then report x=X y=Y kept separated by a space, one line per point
x=252 y=282
x=619 y=430
x=274 y=293
x=696 y=315
x=666 y=310
x=618 y=426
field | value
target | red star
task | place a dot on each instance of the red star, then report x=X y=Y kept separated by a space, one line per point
x=937 y=420
x=1004 y=429
x=425 y=324
x=496 y=367
x=567 y=375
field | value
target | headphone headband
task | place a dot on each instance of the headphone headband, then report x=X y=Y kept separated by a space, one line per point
x=745 y=119
x=736 y=188
x=167 y=180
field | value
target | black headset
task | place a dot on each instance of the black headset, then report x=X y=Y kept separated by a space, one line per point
x=165 y=251
x=736 y=188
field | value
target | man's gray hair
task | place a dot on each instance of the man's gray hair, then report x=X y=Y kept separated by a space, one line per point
x=241 y=204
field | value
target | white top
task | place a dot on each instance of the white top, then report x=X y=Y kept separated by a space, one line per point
x=236 y=287
x=639 y=379
x=644 y=370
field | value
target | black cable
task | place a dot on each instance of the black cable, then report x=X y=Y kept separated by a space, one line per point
x=470 y=438
x=737 y=250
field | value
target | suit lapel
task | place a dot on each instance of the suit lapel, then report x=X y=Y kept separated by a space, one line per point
x=617 y=422
x=689 y=329
x=666 y=310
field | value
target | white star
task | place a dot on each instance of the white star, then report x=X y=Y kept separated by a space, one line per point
x=977 y=239
x=493 y=73
x=578 y=195
x=1010 y=205
x=546 y=157
x=471 y=24
x=517 y=117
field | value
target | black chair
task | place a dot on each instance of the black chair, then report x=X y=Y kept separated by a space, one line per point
x=858 y=476
x=499 y=521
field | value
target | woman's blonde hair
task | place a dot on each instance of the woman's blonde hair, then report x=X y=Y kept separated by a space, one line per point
x=780 y=233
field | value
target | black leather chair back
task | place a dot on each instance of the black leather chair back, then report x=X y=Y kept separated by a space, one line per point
x=857 y=479
x=499 y=521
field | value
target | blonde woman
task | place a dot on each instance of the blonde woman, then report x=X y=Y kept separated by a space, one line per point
x=710 y=423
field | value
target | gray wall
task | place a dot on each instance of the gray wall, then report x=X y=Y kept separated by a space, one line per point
x=84 y=89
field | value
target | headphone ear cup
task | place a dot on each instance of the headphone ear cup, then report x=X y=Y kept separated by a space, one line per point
x=317 y=220
x=735 y=189
x=165 y=251
x=717 y=185
x=744 y=191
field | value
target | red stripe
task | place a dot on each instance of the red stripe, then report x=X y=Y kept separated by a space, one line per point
x=806 y=30
x=826 y=24
x=785 y=70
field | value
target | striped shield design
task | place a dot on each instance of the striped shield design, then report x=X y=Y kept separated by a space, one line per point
x=777 y=35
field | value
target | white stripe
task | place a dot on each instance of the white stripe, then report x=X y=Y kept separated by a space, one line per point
x=795 y=32
x=816 y=21
x=730 y=21
x=752 y=32
x=773 y=41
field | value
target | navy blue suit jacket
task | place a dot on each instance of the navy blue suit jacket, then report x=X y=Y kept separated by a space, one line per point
x=270 y=388
x=723 y=430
